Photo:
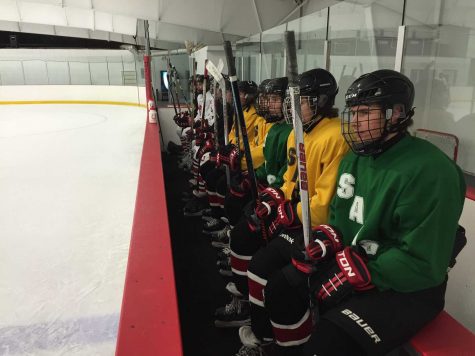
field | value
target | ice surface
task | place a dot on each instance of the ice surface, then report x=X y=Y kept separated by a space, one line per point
x=68 y=179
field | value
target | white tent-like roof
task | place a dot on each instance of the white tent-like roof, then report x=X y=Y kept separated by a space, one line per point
x=171 y=22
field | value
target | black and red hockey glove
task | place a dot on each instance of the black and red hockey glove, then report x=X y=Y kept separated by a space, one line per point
x=197 y=124
x=347 y=273
x=269 y=200
x=240 y=185
x=182 y=119
x=326 y=240
x=228 y=155
x=286 y=218
x=203 y=136
x=207 y=146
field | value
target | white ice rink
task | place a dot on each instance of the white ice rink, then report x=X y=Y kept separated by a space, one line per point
x=68 y=179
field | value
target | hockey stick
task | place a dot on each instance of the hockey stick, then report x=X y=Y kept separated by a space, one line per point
x=193 y=114
x=180 y=89
x=294 y=91
x=240 y=116
x=175 y=89
x=215 y=116
x=203 y=108
x=170 y=84
x=158 y=118
x=216 y=73
x=225 y=127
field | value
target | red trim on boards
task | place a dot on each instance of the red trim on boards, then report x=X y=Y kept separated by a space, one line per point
x=149 y=323
x=444 y=336
x=470 y=194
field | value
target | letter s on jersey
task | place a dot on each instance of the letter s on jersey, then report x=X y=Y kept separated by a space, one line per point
x=345 y=186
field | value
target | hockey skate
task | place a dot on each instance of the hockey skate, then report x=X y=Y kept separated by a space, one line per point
x=223 y=254
x=186 y=196
x=195 y=207
x=234 y=314
x=173 y=148
x=253 y=346
x=221 y=238
x=213 y=225
x=185 y=163
x=224 y=267
x=249 y=351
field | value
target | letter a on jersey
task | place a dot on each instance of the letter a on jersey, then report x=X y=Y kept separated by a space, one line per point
x=357 y=210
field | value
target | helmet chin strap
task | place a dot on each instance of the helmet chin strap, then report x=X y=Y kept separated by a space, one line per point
x=310 y=124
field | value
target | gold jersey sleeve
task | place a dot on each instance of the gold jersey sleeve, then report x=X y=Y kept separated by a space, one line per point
x=250 y=118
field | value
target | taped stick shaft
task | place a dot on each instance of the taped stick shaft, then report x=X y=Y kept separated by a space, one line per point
x=240 y=116
x=175 y=87
x=225 y=126
x=170 y=84
x=292 y=74
x=203 y=107
x=215 y=115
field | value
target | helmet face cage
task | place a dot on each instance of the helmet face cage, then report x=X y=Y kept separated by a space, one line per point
x=382 y=91
x=272 y=100
x=364 y=128
x=308 y=110
x=274 y=104
x=262 y=105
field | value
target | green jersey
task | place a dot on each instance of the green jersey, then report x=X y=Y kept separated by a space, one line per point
x=403 y=206
x=275 y=155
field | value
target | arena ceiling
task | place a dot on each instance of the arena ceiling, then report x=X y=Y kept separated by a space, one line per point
x=171 y=22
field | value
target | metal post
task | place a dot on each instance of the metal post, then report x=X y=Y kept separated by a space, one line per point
x=108 y=75
x=326 y=55
x=400 y=48
x=23 y=71
x=90 y=74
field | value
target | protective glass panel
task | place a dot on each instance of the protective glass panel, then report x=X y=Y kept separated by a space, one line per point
x=58 y=73
x=35 y=72
x=441 y=62
x=363 y=39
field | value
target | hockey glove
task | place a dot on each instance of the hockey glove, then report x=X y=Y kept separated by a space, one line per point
x=325 y=241
x=182 y=119
x=347 y=273
x=203 y=136
x=228 y=155
x=240 y=185
x=197 y=124
x=207 y=146
x=287 y=218
x=265 y=209
x=269 y=200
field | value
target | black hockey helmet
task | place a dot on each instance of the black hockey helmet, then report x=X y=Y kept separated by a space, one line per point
x=318 y=88
x=199 y=78
x=261 y=102
x=386 y=88
x=275 y=87
x=249 y=88
x=262 y=87
x=320 y=84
